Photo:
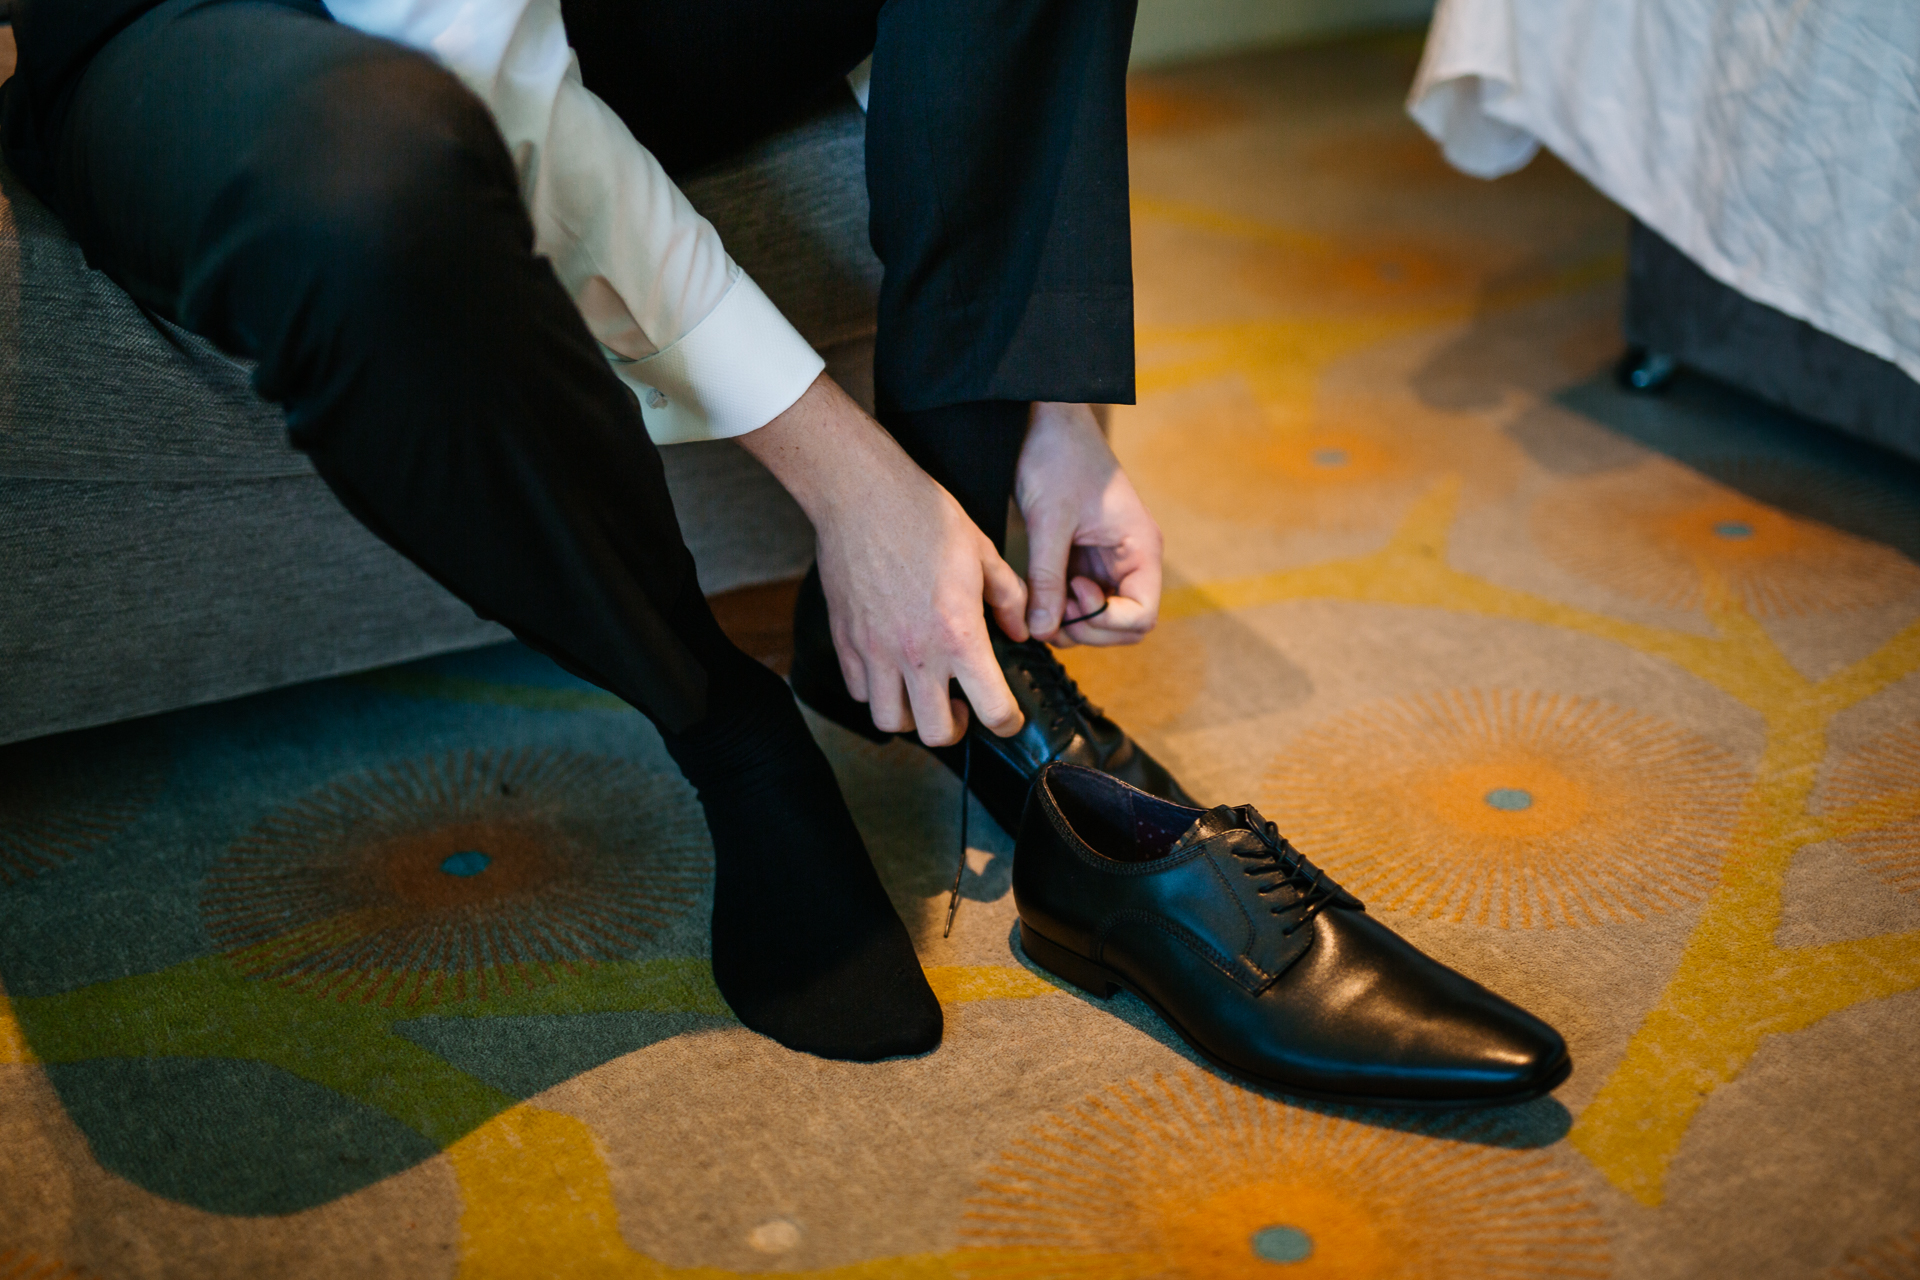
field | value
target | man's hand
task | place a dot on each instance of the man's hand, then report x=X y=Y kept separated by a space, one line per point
x=904 y=569
x=1091 y=546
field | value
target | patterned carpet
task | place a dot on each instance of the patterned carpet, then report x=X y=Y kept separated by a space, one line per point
x=1611 y=702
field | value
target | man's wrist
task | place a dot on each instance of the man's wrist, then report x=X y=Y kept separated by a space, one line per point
x=825 y=450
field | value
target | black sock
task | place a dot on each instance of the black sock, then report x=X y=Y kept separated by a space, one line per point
x=807 y=948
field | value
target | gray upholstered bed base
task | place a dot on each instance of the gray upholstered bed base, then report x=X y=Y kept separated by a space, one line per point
x=162 y=546
x=1676 y=309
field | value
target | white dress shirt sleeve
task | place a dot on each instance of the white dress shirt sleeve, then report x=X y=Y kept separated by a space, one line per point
x=706 y=351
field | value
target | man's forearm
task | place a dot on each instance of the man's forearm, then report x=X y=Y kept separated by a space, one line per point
x=826 y=452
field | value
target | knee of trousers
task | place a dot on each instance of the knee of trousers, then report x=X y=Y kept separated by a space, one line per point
x=384 y=207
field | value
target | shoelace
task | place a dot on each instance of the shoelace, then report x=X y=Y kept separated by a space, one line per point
x=960 y=869
x=1280 y=858
x=1057 y=687
x=1089 y=616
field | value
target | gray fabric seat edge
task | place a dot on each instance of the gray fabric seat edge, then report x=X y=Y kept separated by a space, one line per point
x=163 y=546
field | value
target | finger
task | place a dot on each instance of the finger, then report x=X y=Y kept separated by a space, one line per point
x=1124 y=622
x=1088 y=600
x=1006 y=595
x=958 y=706
x=1049 y=544
x=985 y=685
x=853 y=668
x=1139 y=586
x=1142 y=585
x=1096 y=563
x=932 y=709
x=888 y=704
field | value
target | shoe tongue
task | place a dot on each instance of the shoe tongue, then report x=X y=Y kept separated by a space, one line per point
x=1215 y=821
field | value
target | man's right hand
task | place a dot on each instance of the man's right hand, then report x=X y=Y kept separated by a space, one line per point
x=905 y=570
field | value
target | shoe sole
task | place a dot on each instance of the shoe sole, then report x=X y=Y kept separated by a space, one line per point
x=1101 y=982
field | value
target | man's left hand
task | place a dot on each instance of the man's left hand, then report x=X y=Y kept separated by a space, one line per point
x=1092 y=549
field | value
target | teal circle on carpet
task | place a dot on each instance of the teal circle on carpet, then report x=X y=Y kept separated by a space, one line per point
x=457 y=877
x=1281 y=1243
x=1510 y=799
x=467 y=862
x=1735 y=529
x=1329 y=457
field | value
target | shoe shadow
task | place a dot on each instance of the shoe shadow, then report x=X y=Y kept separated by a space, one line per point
x=1523 y=1126
x=907 y=805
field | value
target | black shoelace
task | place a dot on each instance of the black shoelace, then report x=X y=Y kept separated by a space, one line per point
x=1088 y=616
x=1280 y=859
x=1061 y=693
x=1057 y=690
x=966 y=786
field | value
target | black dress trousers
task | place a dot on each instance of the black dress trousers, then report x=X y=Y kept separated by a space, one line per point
x=343 y=212
x=996 y=162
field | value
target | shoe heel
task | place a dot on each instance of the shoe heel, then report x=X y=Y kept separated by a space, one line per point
x=1062 y=963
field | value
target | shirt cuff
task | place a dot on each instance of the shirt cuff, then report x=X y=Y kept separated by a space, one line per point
x=734 y=372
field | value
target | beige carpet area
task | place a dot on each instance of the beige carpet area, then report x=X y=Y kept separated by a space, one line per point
x=1609 y=701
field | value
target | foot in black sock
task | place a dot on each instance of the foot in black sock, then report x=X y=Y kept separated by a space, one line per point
x=807 y=948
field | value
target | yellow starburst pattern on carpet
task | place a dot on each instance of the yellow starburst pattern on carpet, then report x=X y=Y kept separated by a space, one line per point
x=537 y=1188
x=1656 y=531
x=1895 y=1258
x=19 y=1264
x=1346 y=462
x=1485 y=807
x=1282 y=357
x=1187 y=1178
x=58 y=800
x=539 y=1202
x=1885 y=774
x=473 y=874
x=1734 y=984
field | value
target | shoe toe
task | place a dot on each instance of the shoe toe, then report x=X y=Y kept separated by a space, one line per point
x=1490 y=1049
x=1376 y=1018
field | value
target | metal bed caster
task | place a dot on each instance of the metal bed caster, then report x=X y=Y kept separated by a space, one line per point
x=1647 y=372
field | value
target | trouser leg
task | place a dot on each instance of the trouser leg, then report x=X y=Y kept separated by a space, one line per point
x=697 y=82
x=344 y=213
x=347 y=215
x=997 y=163
x=997 y=166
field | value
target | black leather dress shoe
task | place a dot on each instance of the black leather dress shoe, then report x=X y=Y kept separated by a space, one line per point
x=1061 y=723
x=1265 y=966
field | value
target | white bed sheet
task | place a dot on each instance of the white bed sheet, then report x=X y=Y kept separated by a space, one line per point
x=1775 y=142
